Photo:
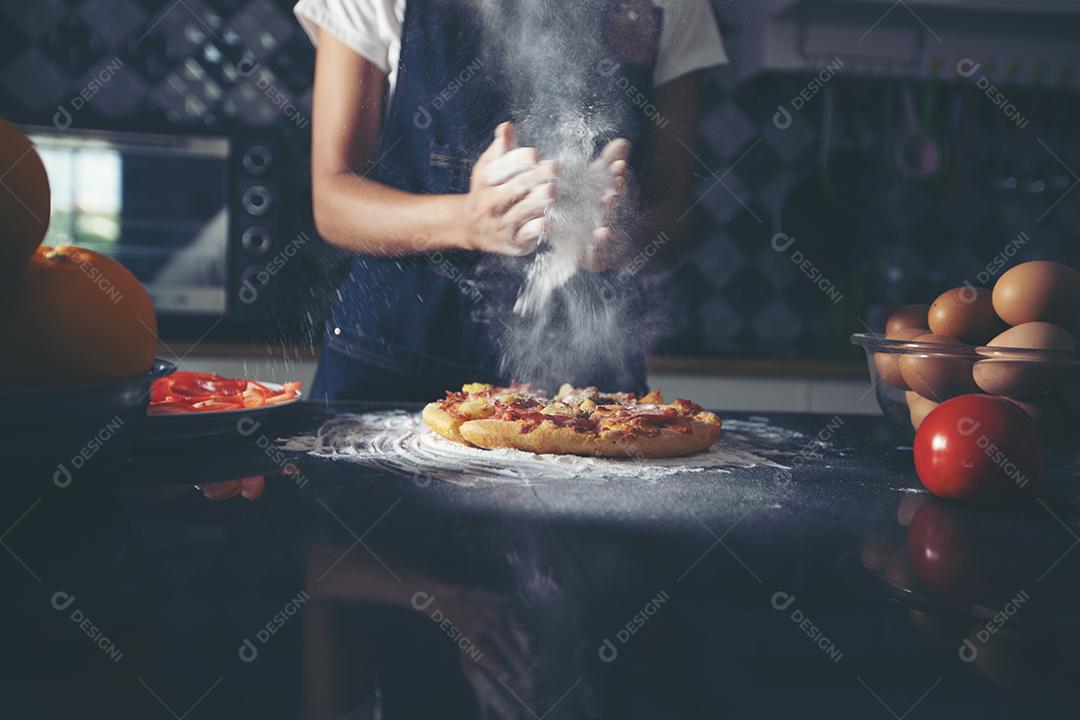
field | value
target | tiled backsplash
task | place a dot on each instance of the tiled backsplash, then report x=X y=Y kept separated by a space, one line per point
x=800 y=247
x=795 y=248
x=207 y=62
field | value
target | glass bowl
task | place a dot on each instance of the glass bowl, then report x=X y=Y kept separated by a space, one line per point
x=911 y=378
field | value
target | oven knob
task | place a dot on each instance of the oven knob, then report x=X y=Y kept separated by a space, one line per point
x=258 y=159
x=253 y=280
x=256 y=240
x=257 y=200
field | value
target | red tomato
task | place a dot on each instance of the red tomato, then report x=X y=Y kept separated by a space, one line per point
x=944 y=552
x=961 y=553
x=977 y=447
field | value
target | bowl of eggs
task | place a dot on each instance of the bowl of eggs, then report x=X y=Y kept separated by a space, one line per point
x=1016 y=341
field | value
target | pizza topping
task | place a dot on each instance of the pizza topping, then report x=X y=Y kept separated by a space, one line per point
x=558 y=408
x=571 y=395
x=581 y=396
x=583 y=409
x=612 y=424
x=475 y=388
x=532 y=418
x=475 y=409
x=654 y=414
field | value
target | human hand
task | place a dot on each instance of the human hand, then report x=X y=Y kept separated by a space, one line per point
x=613 y=168
x=510 y=191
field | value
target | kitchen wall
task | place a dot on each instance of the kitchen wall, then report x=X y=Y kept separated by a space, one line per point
x=810 y=226
x=820 y=227
x=209 y=63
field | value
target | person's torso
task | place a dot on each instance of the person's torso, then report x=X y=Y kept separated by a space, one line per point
x=452 y=89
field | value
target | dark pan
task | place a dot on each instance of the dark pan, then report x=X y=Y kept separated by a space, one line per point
x=76 y=425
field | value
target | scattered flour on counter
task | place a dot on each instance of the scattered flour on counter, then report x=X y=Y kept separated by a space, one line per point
x=401 y=442
x=761 y=431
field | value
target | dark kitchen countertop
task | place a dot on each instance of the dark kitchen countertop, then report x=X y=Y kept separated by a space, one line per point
x=760 y=592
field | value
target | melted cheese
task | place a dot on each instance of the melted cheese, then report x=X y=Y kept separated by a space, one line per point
x=558 y=408
x=475 y=409
x=473 y=388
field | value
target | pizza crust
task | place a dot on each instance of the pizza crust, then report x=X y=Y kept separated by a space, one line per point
x=668 y=443
x=549 y=438
x=443 y=423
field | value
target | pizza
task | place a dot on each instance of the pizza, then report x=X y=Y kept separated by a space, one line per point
x=577 y=421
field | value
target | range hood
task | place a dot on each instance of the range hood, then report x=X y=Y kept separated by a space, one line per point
x=1031 y=43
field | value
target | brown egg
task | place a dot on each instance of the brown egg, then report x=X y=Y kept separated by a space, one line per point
x=1021 y=378
x=886 y=363
x=1070 y=407
x=908 y=506
x=1039 y=291
x=898 y=570
x=907 y=317
x=935 y=377
x=1037 y=411
x=965 y=313
x=1048 y=415
x=879 y=547
x=919 y=406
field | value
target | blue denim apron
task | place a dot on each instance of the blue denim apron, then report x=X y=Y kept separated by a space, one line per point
x=408 y=329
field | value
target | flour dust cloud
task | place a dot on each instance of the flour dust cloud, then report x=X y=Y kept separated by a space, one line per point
x=568 y=323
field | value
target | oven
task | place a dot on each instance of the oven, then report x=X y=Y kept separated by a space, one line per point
x=200 y=219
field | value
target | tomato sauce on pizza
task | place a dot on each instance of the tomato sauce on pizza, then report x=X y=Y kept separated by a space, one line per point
x=582 y=421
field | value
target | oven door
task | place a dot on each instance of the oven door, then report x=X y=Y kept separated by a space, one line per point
x=159 y=204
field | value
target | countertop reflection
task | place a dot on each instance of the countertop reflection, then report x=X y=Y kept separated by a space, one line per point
x=236 y=580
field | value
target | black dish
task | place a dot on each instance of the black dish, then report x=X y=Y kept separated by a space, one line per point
x=76 y=425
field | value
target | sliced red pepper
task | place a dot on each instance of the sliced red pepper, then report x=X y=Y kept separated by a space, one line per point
x=194 y=392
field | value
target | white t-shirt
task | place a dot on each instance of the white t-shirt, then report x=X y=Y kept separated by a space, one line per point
x=690 y=39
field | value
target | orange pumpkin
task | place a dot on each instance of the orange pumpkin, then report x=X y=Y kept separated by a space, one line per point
x=75 y=316
x=25 y=202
